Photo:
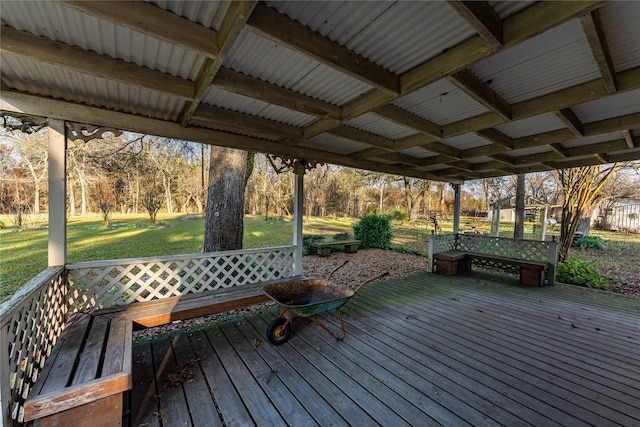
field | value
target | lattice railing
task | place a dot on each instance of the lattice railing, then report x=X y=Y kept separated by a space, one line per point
x=111 y=283
x=528 y=250
x=31 y=322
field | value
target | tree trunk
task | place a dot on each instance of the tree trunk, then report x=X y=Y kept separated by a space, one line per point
x=518 y=229
x=224 y=213
x=72 y=198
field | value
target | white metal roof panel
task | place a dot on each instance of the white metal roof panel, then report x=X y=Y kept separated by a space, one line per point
x=69 y=26
x=611 y=106
x=28 y=76
x=621 y=24
x=261 y=58
x=505 y=9
x=551 y=61
x=235 y=130
x=377 y=125
x=209 y=13
x=417 y=152
x=254 y=107
x=441 y=102
x=531 y=126
x=334 y=144
x=369 y=28
x=466 y=141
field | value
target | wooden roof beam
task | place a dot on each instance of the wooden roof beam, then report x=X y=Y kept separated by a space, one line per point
x=592 y=26
x=354 y=134
x=602 y=158
x=79 y=60
x=628 y=137
x=572 y=121
x=268 y=23
x=405 y=118
x=232 y=23
x=233 y=81
x=497 y=137
x=481 y=16
x=470 y=84
x=155 y=22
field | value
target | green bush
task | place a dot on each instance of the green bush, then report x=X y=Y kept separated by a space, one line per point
x=373 y=231
x=342 y=236
x=575 y=272
x=307 y=241
x=589 y=242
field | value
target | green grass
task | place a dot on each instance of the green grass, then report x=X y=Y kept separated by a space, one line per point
x=23 y=254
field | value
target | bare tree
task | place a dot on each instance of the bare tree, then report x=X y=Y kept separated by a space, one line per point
x=582 y=186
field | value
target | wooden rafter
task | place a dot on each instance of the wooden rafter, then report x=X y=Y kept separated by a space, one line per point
x=233 y=22
x=592 y=26
x=75 y=59
x=628 y=137
x=153 y=21
x=470 y=84
x=497 y=137
x=270 y=24
x=481 y=16
x=572 y=121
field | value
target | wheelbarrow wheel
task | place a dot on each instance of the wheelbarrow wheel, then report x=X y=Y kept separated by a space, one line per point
x=278 y=331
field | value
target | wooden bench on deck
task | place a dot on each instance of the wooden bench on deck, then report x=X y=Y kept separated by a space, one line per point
x=84 y=378
x=450 y=263
x=324 y=248
x=89 y=369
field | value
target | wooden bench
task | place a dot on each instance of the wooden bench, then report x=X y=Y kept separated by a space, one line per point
x=89 y=369
x=86 y=375
x=450 y=263
x=324 y=248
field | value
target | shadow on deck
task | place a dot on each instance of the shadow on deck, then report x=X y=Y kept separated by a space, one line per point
x=422 y=350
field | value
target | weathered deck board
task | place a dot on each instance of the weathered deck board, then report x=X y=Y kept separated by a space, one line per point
x=423 y=350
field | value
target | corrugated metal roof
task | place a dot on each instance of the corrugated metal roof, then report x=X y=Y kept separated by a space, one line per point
x=531 y=126
x=592 y=139
x=29 y=76
x=441 y=102
x=208 y=13
x=242 y=104
x=236 y=130
x=611 y=106
x=334 y=144
x=369 y=28
x=417 y=152
x=540 y=65
x=621 y=23
x=505 y=9
x=466 y=141
x=372 y=123
x=276 y=64
x=67 y=25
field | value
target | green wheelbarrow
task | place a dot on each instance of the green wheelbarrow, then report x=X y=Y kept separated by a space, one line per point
x=308 y=298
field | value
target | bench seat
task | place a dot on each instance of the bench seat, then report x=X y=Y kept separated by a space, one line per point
x=86 y=375
x=532 y=273
x=324 y=248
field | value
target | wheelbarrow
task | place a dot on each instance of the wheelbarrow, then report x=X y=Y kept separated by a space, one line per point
x=308 y=298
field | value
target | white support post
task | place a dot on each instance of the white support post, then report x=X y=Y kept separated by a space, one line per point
x=297 y=217
x=57 y=193
x=456 y=209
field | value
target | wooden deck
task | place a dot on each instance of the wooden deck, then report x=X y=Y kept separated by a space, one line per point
x=423 y=350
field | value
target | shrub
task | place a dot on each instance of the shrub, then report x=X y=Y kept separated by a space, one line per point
x=373 y=231
x=589 y=242
x=575 y=272
x=342 y=236
x=307 y=241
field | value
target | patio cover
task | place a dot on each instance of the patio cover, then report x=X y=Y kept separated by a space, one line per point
x=449 y=91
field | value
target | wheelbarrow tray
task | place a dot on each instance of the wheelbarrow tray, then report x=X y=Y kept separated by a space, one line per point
x=309 y=297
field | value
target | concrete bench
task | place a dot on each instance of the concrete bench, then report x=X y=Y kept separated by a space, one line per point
x=324 y=248
x=86 y=375
x=450 y=263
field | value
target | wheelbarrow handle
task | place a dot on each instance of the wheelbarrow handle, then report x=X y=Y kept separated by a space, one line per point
x=337 y=268
x=380 y=276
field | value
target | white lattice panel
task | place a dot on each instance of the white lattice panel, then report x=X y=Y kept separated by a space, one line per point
x=31 y=325
x=121 y=282
x=443 y=242
x=528 y=250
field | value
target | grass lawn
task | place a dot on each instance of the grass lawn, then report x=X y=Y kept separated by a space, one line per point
x=23 y=254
